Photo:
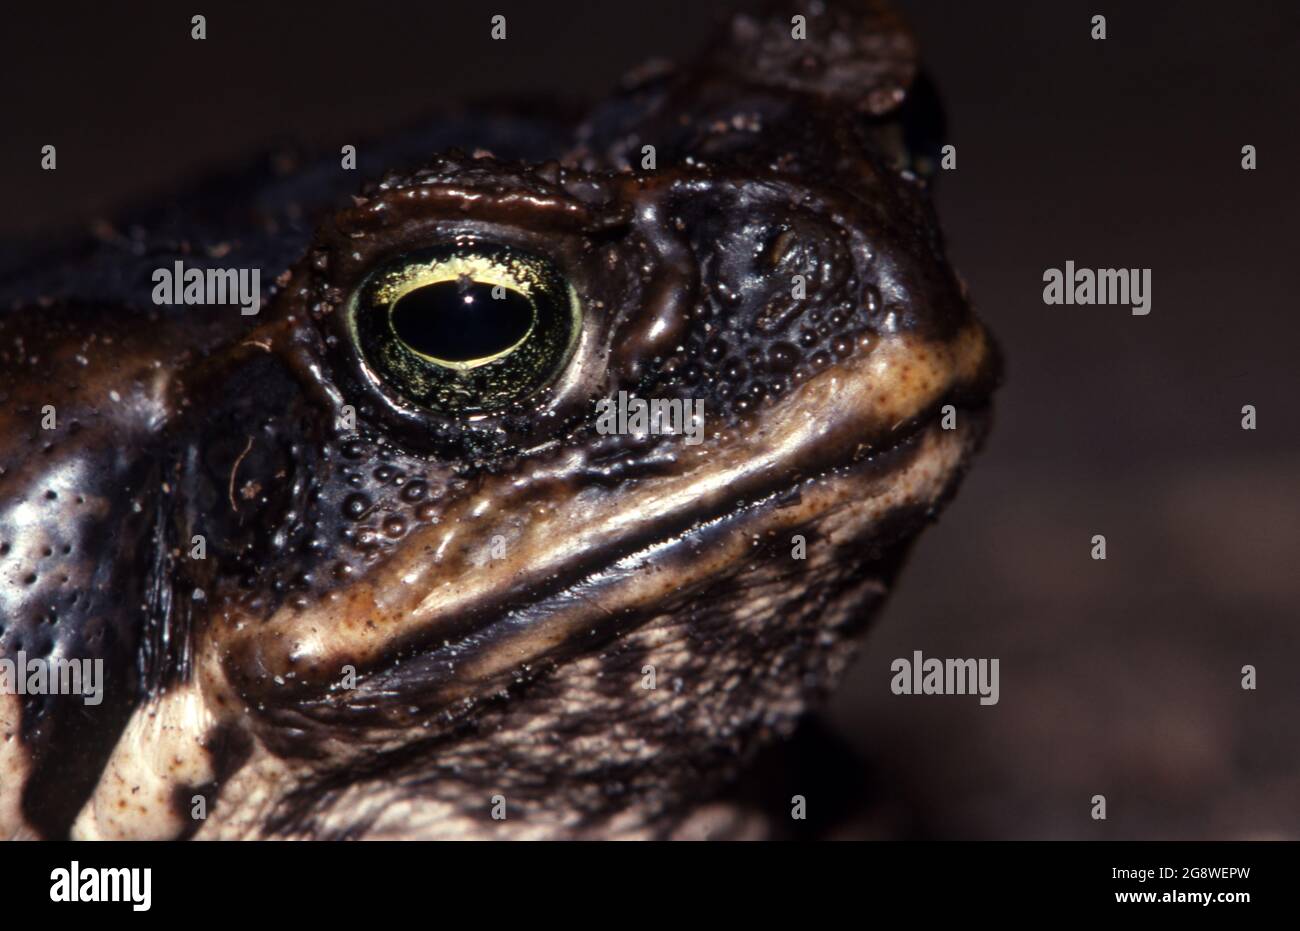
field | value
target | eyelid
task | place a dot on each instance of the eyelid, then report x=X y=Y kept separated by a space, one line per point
x=399 y=281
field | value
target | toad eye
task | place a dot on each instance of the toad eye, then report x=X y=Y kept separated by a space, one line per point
x=469 y=327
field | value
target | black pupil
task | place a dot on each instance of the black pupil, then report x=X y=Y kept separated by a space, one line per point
x=461 y=320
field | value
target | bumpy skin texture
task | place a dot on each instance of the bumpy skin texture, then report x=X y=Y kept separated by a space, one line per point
x=354 y=657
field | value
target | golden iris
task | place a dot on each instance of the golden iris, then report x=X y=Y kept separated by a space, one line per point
x=466 y=327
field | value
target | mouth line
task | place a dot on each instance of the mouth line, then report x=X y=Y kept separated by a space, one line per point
x=865 y=463
x=597 y=602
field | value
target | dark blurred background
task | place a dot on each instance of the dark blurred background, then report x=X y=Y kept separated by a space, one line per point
x=1120 y=677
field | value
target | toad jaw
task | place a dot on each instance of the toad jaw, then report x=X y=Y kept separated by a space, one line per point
x=446 y=579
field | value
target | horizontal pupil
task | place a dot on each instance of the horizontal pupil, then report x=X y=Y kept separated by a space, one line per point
x=460 y=320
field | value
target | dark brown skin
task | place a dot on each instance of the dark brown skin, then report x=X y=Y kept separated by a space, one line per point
x=407 y=617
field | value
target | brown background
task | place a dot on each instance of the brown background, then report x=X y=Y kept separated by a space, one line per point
x=1118 y=677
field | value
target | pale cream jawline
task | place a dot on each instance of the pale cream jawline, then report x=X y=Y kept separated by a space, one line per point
x=920 y=482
